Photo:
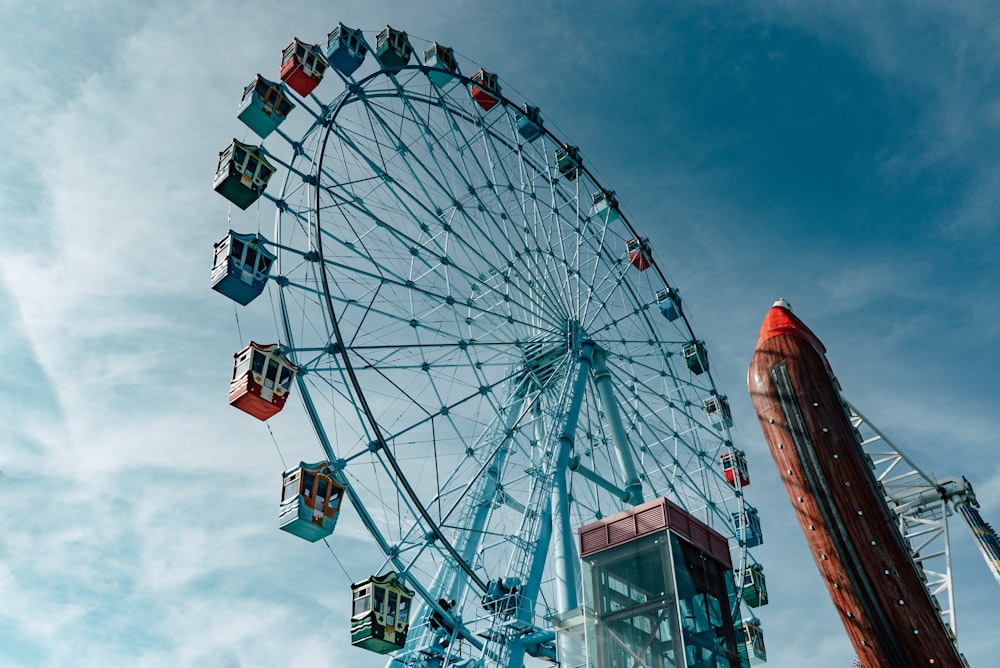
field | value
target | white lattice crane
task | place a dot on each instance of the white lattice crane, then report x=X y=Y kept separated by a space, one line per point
x=922 y=504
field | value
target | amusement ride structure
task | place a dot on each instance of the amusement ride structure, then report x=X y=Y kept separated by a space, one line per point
x=490 y=357
x=875 y=522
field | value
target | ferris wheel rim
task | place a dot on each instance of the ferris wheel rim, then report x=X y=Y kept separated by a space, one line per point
x=343 y=350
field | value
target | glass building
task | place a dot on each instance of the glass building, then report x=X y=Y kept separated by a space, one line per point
x=659 y=593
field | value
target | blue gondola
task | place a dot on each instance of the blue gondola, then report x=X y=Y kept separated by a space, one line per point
x=754 y=586
x=718 y=411
x=696 y=356
x=750 y=641
x=241 y=266
x=242 y=173
x=264 y=106
x=670 y=303
x=310 y=501
x=392 y=48
x=747 y=525
x=568 y=161
x=380 y=613
x=529 y=122
x=345 y=49
x=440 y=58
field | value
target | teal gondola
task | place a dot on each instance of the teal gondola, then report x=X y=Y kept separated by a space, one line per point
x=529 y=122
x=606 y=206
x=754 y=586
x=439 y=58
x=310 y=501
x=696 y=356
x=568 y=161
x=264 y=106
x=380 y=613
x=392 y=48
x=242 y=173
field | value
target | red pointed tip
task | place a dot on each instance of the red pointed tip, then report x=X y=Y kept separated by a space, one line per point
x=781 y=320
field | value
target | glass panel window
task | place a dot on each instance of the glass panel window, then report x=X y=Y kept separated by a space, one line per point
x=322 y=490
x=404 y=610
x=242 y=364
x=272 y=373
x=291 y=488
x=286 y=378
x=390 y=616
x=238 y=250
x=258 y=362
x=308 y=485
x=335 y=496
x=379 y=601
x=251 y=258
x=362 y=601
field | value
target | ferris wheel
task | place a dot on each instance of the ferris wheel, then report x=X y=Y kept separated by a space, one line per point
x=488 y=351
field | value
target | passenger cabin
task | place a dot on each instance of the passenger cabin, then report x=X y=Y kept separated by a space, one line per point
x=670 y=303
x=345 y=49
x=750 y=641
x=639 y=253
x=439 y=58
x=392 y=48
x=734 y=467
x=718 y=411
x=302 y=66
x=696 y=356
x=310 y=501
x=529 y=122
x=754 y=586
x=485 y=89
x=606 y=205
x=241 y=266
x=264 y=106
x=747 y=525
x=262 y=378
x=568 y=161
x=380 y=616
x=242 y=173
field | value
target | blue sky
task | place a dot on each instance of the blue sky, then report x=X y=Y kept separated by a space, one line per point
x=842 y=157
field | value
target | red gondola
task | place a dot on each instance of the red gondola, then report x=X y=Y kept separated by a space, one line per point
x=302 y=66
x=485 y=89
x=734 y=467
x=639 y=253
x=262 y=378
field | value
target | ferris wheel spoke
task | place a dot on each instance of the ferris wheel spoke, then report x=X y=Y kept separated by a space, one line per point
x=466 y=275
x=441 y=269
x=478 y=256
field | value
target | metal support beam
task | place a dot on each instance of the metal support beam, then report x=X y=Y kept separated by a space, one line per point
x=602 y=378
